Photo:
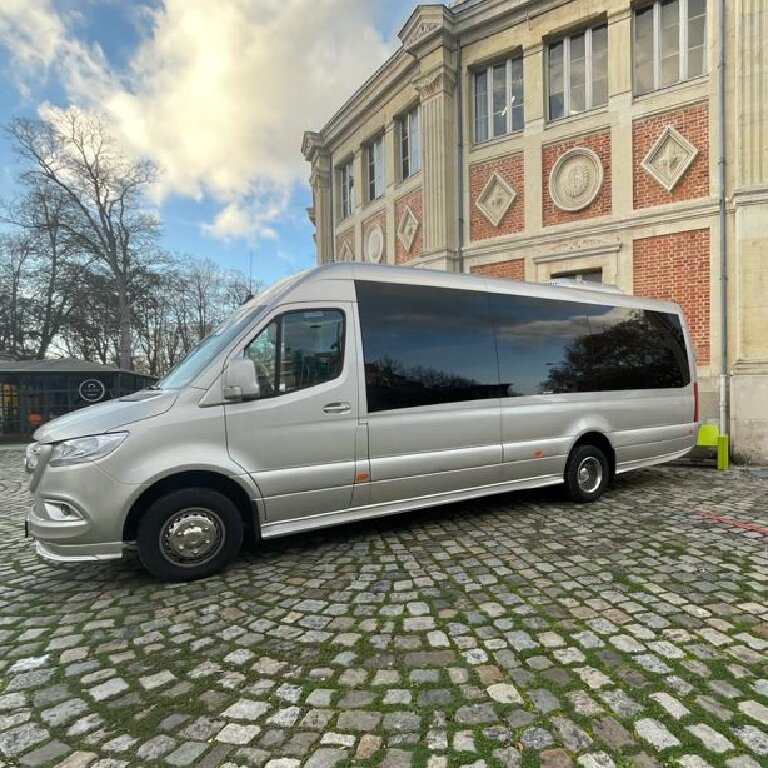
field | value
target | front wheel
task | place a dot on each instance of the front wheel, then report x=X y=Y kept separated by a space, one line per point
x=189 y=534
x=587 y=474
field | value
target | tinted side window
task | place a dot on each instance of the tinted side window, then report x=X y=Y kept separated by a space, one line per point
x=548 y=346
x=298 y=350
x=634 y=349
x=535 y=338
x=424 y=345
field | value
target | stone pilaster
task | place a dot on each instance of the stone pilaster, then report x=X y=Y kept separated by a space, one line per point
x=436 y=89
x=321 y=182
x=749 y=294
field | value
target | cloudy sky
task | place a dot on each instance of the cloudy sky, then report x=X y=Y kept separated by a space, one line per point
x=218 y=92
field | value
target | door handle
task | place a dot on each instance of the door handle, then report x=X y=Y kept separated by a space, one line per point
x=337 y=408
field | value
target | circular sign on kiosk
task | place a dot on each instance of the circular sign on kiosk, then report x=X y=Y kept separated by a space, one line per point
x=92 y=390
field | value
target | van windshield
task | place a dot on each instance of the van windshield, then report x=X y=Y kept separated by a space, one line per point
x=204 y=353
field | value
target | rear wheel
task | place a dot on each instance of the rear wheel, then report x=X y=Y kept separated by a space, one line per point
x=189 y=534
x=587 y=474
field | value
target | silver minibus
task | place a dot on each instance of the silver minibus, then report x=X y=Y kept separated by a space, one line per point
x=353 y=391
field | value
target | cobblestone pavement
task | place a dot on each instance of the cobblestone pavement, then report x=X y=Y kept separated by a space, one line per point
x=516 y=631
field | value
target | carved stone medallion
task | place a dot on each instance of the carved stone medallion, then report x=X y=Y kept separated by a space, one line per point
x=495 y=199
x=407 y=228
x=669 y=158
x=374 y=243
x=575 y=180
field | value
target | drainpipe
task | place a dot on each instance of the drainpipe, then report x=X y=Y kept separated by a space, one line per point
x=460 y=155
x=724 y=416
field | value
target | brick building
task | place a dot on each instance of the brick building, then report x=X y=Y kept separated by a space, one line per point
x=531 y=139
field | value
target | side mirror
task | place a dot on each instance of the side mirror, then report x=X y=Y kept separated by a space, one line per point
x=240 y=381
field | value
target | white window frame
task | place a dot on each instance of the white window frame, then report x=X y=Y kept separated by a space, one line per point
x=489 y=85
x=347 y=189
x=682 y=42
x=375 y=170
x=414 y=157
x=566 y=41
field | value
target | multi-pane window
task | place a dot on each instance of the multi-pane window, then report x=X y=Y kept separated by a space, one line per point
x=669 y=43
x=578 y=72
x=375 y=158
x=410 y=144
x=499 y=100
x=347 y=187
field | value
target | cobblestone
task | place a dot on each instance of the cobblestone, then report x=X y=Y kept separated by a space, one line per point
x=515 y=631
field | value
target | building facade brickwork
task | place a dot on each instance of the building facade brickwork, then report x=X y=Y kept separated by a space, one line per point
x=514 y=269
x=527 y=171
x=600 y=144
x=372 y=227
x=345 y=245
x=412 y=201
x=692 y=123
x=676 y=268
x=510 y=169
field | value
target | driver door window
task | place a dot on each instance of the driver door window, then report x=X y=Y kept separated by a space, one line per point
x=298 y=350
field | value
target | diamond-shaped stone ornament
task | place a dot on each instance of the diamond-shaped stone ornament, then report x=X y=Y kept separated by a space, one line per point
x=407 y=228
x=669 y=158
x=495 y=199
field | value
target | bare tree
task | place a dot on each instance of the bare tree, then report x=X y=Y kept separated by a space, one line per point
x=15 y=301
x=105 y=212
x=55 y=263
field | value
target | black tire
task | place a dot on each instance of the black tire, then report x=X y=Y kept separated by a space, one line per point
x=587 y=474
x=201 y=521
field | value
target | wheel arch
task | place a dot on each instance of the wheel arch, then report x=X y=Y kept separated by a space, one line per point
x=600 y=440
x=194 y=478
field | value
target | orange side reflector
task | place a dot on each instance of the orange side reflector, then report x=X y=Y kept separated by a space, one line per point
x=538 y=454
x=362 y=477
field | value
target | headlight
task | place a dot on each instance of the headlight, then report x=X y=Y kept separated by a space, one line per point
x=84 y=449
x=32 y=457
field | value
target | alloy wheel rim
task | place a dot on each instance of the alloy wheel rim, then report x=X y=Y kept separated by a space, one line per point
x=192 y=536
x=589 y=475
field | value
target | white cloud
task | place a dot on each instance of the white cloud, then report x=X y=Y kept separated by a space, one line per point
x=218 y=94
x=38 y=41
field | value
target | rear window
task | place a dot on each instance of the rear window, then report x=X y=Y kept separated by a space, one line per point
x=548 y=346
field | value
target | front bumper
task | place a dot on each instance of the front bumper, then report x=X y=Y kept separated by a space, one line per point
x=78 y=553
x=51 y=543
x=98 y=503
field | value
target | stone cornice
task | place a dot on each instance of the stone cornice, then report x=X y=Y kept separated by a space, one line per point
x=311 y=145
x=388 y=79
x=757 y=195
x=679 y=213
x=579 y=248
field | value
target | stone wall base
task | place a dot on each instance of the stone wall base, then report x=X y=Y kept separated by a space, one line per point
x=749 y=413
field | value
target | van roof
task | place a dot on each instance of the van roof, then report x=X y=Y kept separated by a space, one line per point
x=588 y=293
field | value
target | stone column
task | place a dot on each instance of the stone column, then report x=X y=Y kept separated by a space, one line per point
x=321 y=181
x=535 y=185
x=436 y=90
x=620 y=101
x=748 y=313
